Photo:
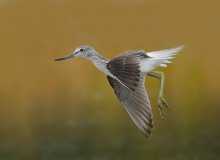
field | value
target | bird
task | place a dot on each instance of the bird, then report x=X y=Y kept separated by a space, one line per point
x=126 y=75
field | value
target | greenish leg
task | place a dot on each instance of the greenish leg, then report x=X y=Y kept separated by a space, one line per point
x=162 y=103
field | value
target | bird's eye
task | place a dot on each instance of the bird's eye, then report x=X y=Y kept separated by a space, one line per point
x=81 y=50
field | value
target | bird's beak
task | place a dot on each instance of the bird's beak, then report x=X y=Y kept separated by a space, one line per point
x=65 y=57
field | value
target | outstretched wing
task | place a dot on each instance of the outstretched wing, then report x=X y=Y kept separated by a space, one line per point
x=158 y=58
x=134 y=98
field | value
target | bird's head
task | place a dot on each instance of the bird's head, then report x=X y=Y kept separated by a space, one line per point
x=82 y=51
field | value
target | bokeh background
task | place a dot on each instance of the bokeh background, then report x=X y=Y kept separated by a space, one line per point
x=67 y=110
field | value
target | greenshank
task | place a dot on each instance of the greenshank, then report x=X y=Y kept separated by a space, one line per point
x=126 y=74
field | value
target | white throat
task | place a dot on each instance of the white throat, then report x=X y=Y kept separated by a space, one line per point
x=100 y=63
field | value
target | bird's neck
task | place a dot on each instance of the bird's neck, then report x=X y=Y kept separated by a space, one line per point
x=100 y=62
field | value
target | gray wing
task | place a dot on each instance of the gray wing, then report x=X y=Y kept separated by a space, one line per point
x=135 y=99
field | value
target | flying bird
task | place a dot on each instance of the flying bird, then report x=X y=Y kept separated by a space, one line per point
x=126 y=74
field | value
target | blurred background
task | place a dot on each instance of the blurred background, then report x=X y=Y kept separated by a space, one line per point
x=67 y=110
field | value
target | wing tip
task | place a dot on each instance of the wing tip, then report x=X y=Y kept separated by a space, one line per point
x=179 y=48
x=148 y=129
x=148 y=132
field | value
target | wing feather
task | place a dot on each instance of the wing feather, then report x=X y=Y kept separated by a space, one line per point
x=134 y=98
x=158 y=58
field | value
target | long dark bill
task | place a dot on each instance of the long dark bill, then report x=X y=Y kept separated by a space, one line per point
x=64 y=58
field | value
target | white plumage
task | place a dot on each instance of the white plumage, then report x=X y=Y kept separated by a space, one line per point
x=158 y=58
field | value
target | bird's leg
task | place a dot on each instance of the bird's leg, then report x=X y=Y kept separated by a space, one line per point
x=162 y=103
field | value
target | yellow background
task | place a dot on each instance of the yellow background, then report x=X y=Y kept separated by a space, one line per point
x=67 y=110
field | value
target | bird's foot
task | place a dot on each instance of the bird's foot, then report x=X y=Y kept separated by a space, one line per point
x=163 y=105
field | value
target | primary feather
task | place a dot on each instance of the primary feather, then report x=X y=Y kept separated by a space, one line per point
x=134 y=97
